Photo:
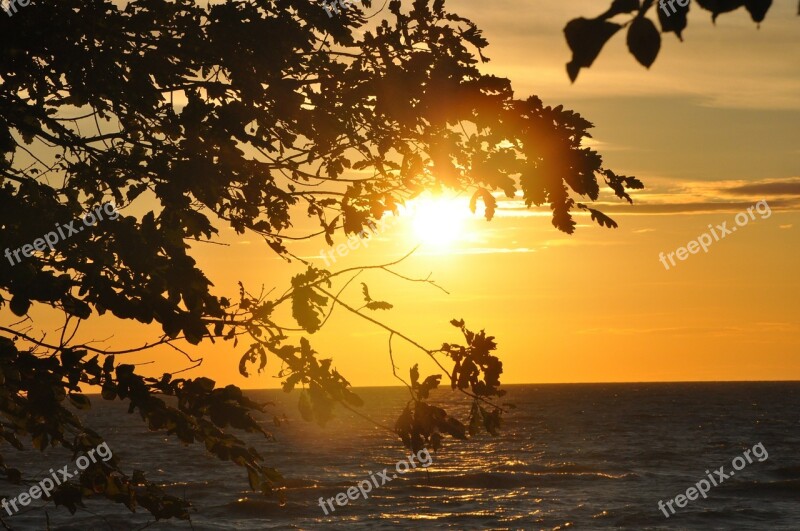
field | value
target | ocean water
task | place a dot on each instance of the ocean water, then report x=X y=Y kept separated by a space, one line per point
x=570 y=456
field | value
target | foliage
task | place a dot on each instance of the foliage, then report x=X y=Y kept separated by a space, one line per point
x=586 y=37
x=249 y=114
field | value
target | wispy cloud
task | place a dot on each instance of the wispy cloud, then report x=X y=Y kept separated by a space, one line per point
x=670 y=196
x=774 y=327
x=789 y=186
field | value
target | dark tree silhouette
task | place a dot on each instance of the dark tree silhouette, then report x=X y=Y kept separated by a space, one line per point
x=586 y=37
x=246 y=114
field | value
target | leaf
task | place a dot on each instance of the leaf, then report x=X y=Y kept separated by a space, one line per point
x=602 y=219
x=586 y=37
x=292 y=380
x=430 y=383
x=20 y=305
x=673 y=22
x=757 y=9
x=644 y=41
x=453 y=427
x=365 y=289
x=371 y=304
x=194 y=331
x=109 y=392
x=246 y=358
x=414 y=373
x=488 y=200
x=717 y=7
x=135 y=191
x=307 y=308
x=304 y=405
x=76 y=307
x=621 y=6
x=379 y=305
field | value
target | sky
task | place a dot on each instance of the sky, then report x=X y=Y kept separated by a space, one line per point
x=712 y=128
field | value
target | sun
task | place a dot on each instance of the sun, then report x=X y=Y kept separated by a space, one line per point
x=438 y=221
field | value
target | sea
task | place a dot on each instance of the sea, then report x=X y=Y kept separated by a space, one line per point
x=582 y=456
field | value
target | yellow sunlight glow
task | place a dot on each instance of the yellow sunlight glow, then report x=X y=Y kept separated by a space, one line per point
x=438 y=221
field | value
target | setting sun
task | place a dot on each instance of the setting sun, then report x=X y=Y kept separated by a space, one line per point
x=438 y=221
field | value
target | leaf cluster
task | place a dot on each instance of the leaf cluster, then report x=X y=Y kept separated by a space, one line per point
x=587 y=36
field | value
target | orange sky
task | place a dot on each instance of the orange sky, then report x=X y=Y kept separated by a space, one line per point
x=712 y=128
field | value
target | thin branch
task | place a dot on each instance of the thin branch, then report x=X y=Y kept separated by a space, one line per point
x=426 y=280
x=395 y=367
x=163 y=341
x=197 y=361
x=337 y=295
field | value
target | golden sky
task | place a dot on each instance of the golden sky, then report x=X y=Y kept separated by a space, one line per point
x=712 y=128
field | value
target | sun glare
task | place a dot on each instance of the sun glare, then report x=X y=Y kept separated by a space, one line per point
x=438 y=221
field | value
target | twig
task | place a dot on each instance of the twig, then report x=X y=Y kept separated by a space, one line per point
x=395 y=367
x=426 y=280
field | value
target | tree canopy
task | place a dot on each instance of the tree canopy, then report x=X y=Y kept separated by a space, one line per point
x=249 y=114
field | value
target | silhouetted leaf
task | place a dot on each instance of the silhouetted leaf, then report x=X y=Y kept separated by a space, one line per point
x=378 y=305
x=644 y=41
x=306 y=308
x=717 y=7
x=371 y=304
x=673 y=22
x=488 y=200
x=600 y=218
x=757 y=9
x=619 y=7
x=19 y=305
x=586 y=37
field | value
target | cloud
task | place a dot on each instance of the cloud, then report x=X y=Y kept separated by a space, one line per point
x=672 y=196
x=677 y=207
x=693 y=207
x=790 y=186
x=763 y=327
x=599 y=145
x=476 y=250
